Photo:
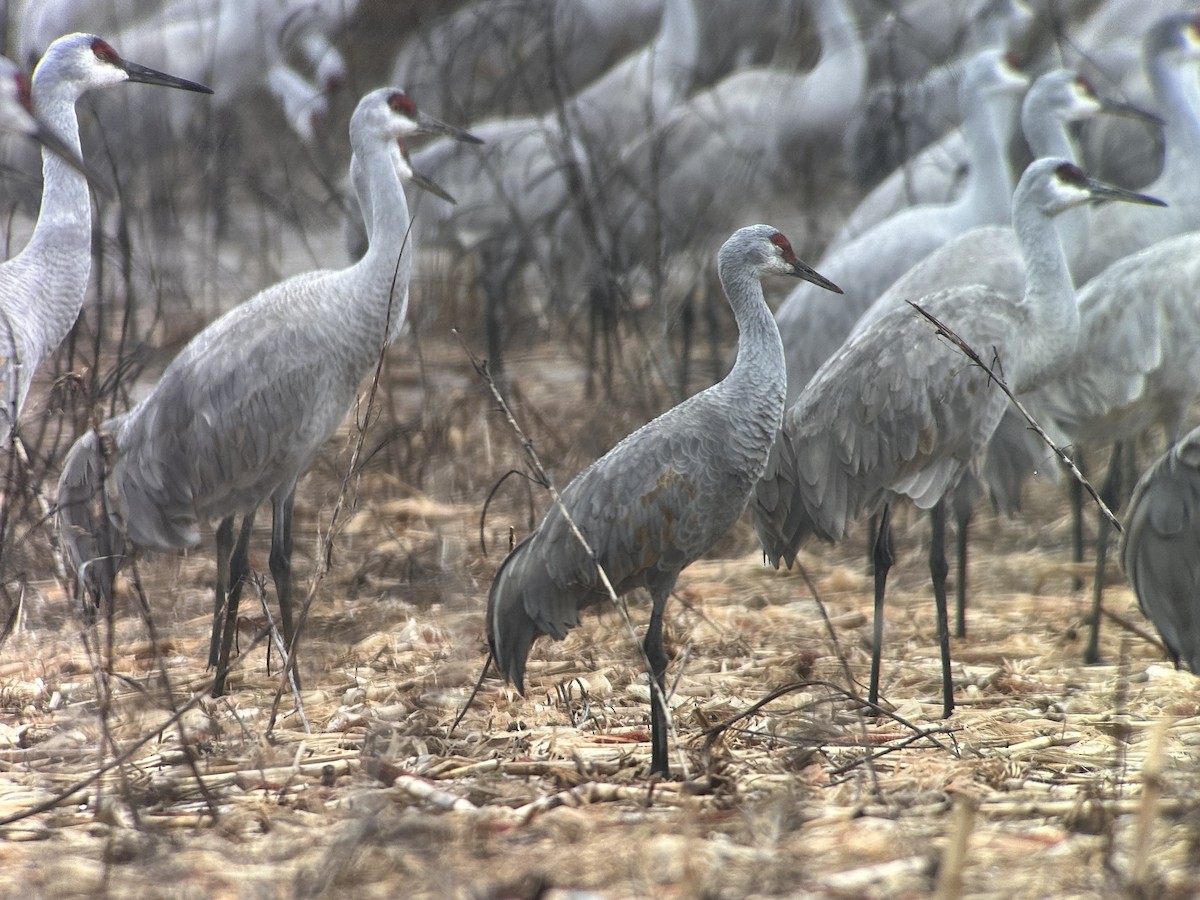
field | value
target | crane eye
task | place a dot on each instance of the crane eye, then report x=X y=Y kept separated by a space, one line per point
x=399 y=102
x=789 y=255
x=105 y=53
x=1071 y=174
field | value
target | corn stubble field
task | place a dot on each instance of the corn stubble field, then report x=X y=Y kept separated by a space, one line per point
x=119 y=775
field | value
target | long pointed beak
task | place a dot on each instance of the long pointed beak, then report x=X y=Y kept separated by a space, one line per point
x=428 y=184
x=145 y=75
x=429 y=125
x=1129 y=111
x=1102 y=193
x=803 y=270
x=52 y=142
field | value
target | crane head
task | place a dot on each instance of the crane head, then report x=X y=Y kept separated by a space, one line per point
x=88 y=61
x=1063 y=185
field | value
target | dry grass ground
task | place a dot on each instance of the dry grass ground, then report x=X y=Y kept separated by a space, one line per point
x=1052 y=778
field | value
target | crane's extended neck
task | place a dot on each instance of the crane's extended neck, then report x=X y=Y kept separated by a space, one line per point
x=1177 y=93
x=387 y=264
x=1052 y=317
x=59 y=251
x=988 y=127
x=759 y=375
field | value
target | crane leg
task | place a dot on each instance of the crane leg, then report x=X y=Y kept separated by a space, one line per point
x=221 y=591
x=1110 y=493
x=961 y=533
x=938 y=569
x=882 y=559
x=239 y=568
x=281 y=565
x=1076 y=496
x=652 y=646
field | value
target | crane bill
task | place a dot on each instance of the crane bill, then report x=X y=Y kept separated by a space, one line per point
x=428 y=184
x=145 y=75
x=429 y=125
x=1129 y=111
x=808 y=273
x=1103 y=193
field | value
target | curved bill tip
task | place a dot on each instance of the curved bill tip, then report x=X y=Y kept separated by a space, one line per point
x=808 y=273
x=426 y=183
x=145 y=75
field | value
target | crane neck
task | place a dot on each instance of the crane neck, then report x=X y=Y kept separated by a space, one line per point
x=842 y=50
x=1052 y=315
x=60 y=249
x=759 y=373
x=676 y=49
x=988 y=128
x=1047 y=135
x=387 y=264
x=1177 y=94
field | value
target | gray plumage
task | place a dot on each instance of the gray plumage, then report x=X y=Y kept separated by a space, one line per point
x=867 y=265
x=665 y=494
x=1161 y=548
x=1171 y=55
x=899 y=412
x=42 y=287
x=239 y=413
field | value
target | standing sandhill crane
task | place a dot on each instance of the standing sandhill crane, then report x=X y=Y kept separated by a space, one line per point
x=899 y=412
x=42 y=287
x=238 y=415
x=1161 y=548
x=866 y=266
x=990 y=255
x=1137 y=365
x=663 y=496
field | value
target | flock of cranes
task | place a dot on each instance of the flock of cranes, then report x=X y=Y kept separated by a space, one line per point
x=594 y=164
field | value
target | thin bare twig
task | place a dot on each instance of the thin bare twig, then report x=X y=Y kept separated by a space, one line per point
x=944 y=330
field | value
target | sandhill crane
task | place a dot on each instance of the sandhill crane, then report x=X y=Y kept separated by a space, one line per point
x=665 y=196
x=16 y=113
x=1135 y=365
x=514 y=56
x=990 y=256
x=532 y=172
x=866 y=266
x=1161 y=547
x=663 y=496
x=239 y=413
x=898 y=119
x=899 y=412
x=42 y=287
x=1171 y=53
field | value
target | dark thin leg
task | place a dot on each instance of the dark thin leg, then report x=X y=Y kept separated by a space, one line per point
x=938 y=569
x=281 y=564
x=652 y=646
x=883 y=559
x=1111 y=495
x=872 y=538
x=239 y=568
x=960 y=586
x=221 y=591
x=1076 y=495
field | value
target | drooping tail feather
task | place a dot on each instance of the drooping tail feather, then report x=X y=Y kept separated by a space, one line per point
x=92 y=541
